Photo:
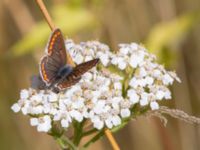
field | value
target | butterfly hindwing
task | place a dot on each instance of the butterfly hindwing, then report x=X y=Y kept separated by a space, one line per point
x=48 y=70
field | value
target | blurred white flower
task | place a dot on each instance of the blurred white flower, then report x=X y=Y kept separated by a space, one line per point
x=43 y=123
x=16 y=108
x=125 y=113
x=154 y=105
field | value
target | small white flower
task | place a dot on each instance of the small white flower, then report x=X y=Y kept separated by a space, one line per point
x=143 y=72
x=167 y=79
x=24 y=94
x=117 y=85
x=121 y=63
x=160 y=95
x=76 y=115
x=149 y=80
x=168 y=94
x=136 y=59
x=125 y=113
x=78 y=59
x=109 y=123
x=124 y=50
x=133 y=82
x=134 y=98
x=116 y=120
x=15 y=107
x=104 y=59
x=154 y=105
x=64 y=123
x=36 y=110
x=34 y=121
x=43 y=123
x=98 y=124
x=53 y=97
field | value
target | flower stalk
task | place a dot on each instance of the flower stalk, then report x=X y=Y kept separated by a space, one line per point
x=46 y=14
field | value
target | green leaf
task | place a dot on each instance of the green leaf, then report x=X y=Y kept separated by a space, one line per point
x=70 y=20
x=164 y=34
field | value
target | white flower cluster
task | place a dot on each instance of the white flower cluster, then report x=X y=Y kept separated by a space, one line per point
x=98 y=96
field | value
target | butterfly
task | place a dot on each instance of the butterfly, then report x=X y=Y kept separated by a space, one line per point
x=57 y=70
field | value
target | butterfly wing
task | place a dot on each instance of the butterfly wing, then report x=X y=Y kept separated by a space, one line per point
x=37 y=83
x=56 y=48
x=55 y=58
x=76 y=74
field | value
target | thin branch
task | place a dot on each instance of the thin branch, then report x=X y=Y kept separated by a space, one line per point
x=112 y=140
x=46 y=14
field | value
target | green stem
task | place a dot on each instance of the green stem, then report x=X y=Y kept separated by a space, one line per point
x=78 y=130
x=65 y=143
x=89 y=132
x=94 y=139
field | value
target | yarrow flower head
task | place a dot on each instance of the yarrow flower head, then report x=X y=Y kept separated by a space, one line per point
x=106 y=94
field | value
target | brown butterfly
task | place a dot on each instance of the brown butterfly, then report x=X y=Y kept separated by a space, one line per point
x=57 y=70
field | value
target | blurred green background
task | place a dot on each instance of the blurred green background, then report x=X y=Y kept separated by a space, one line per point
x=168 y=28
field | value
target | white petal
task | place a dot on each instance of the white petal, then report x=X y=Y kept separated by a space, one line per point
x=104 y=59
x=149 y=80
x=76 y=115
x=167 y=79
x=64 y=123
x=88 y=58
x=133 y=82
x=122 y=65
x=168 y=94
x=124 y=50
x=117 y=85
x=134 y=98
x=78 y=59
x=34 y=121
x=160 y=95
x=16 y=108
x=116 y=120
x=53 y=97
x=125 y=113
x=154 y=105
x=108 y=123
x=24 y=94
x=143 y=102
x=98 y=124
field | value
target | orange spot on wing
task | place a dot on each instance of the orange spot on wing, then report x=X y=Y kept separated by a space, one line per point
x=44 y=73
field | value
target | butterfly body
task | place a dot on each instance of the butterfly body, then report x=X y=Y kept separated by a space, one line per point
x=57 y=70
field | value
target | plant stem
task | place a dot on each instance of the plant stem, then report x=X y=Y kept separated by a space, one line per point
x=64 y=142
x=94 y=139
x=46 y=14
x=78 y=132
x=111 y=139
x=89 y=132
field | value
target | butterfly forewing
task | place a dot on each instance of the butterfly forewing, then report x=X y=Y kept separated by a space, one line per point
x=77 y=72
x=55 y=58
x=56 y=48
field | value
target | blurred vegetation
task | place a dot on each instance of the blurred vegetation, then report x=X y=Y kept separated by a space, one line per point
x=170 y=29
x=69 y=19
